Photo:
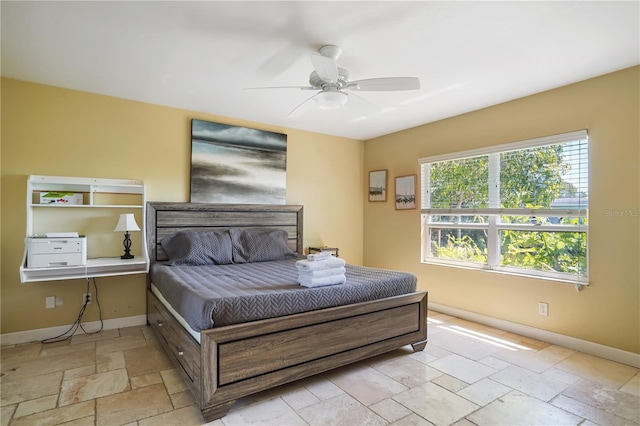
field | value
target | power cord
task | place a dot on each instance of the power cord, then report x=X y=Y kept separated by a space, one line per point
x=78 y=322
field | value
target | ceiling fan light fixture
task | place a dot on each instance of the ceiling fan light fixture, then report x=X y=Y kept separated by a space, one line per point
x=331 y=99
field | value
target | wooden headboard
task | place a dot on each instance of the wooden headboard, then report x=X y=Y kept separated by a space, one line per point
x=166 y=218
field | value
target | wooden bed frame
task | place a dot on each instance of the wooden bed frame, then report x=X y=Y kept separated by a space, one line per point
x=238 y=360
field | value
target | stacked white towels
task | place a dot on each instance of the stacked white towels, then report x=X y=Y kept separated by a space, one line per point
x=321 y=269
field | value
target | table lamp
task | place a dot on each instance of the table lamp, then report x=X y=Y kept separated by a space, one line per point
x=126 y=223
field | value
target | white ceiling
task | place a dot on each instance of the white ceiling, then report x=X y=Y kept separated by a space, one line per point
x=201 y=55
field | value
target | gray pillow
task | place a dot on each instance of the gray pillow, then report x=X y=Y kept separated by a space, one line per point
x=198 y=248
x=259 y=245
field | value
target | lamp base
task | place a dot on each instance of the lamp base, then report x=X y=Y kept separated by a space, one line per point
x=127 y=247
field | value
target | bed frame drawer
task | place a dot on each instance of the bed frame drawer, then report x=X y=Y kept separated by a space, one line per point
x=179 y=344
x=261 y=354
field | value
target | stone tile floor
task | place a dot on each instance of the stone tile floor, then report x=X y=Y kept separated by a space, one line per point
x=469 y=374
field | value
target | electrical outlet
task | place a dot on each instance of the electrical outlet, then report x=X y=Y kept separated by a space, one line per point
x=50 y=302
x=543 y=309
x=87 y=297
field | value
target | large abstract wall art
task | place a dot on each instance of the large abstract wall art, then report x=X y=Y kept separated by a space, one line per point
x=231 y=164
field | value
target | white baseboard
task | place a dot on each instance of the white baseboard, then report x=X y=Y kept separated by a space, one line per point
x=591 y=348
x=46 y=333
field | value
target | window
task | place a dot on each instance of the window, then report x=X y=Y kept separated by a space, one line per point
x=519 y=208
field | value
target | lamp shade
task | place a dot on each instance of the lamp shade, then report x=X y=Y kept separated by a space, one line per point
x=127 y=222
x=331 y=99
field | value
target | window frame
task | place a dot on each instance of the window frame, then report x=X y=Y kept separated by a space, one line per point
x=494 y=226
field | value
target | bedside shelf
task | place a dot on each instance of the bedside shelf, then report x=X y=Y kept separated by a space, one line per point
x=100 y=267
x=333 y=250
x=103 y=200
x=86 y=206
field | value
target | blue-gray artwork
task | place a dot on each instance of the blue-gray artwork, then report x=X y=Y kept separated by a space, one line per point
x=231 y=164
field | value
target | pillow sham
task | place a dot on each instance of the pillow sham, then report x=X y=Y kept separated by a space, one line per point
x=259 y=245
x=198 y=248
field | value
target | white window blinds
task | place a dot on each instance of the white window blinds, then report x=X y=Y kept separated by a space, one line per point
x=543 y=176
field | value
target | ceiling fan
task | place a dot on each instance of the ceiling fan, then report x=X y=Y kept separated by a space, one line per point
x=334 y=85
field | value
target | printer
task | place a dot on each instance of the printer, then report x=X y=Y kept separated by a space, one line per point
x=46 y=252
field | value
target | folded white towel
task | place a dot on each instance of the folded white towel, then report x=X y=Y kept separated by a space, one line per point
x=316 y=265
x=319 y=256
x=322 y=281
x=322 y=272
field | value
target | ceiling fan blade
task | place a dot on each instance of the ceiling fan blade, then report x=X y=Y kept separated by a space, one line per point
x=281 y=87
x=297 y=110
x=362 y=105
x=326 y=68
x=385 y=84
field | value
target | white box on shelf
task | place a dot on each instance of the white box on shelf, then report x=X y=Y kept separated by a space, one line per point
x=68 y=198
x=56 y=252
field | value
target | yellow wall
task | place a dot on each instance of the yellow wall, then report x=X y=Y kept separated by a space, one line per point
x=53 y=131
x=607 y=312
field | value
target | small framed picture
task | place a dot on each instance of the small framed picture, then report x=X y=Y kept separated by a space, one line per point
x=406 y=192
x=378 y=185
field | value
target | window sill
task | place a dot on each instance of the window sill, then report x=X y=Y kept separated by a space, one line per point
x=483 y=268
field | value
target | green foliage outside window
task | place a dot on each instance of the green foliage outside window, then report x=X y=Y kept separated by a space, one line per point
x=529 y=178
x=460 y=183
x=532 y=177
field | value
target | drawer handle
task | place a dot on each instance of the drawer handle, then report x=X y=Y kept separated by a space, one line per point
x=160 y=324
x=180 y=352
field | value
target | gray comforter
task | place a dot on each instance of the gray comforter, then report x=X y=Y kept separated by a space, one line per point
x=236 y=293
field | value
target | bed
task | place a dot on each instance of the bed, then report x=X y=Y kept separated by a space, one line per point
x=229 y=361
